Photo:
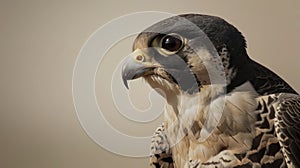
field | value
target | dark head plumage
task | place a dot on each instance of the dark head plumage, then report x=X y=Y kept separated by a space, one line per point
x=196 y=32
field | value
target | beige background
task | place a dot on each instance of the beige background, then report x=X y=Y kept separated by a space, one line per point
x=39 y=43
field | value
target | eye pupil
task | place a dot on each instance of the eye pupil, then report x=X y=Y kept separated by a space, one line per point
x=171 y=43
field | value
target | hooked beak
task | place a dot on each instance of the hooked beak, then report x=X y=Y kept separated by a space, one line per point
x=133 y=69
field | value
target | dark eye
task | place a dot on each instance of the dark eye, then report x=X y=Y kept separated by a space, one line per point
x=172 y=43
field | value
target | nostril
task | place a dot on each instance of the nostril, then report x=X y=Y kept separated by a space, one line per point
x=140 y=58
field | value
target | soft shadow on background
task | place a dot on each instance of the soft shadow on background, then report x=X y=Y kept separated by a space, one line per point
x=40 y=41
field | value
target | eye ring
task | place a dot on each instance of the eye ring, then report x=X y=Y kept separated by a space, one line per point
x=171 y=43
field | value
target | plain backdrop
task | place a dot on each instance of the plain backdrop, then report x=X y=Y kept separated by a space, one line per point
x=39 y=43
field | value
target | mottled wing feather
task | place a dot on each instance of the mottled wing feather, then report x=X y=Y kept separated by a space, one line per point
x=287 y=126
x=160 y=154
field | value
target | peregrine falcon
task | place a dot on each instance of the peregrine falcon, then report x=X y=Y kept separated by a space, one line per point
x=258 y=124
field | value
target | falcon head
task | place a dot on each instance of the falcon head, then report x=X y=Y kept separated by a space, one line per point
x=183 y=54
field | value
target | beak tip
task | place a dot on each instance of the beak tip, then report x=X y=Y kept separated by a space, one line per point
x=125 y=80
x=132 y=69
x=126 y=84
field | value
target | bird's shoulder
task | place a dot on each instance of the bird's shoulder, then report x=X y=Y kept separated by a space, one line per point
x=287 y=126
x=160 y=153
x=266 y=82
